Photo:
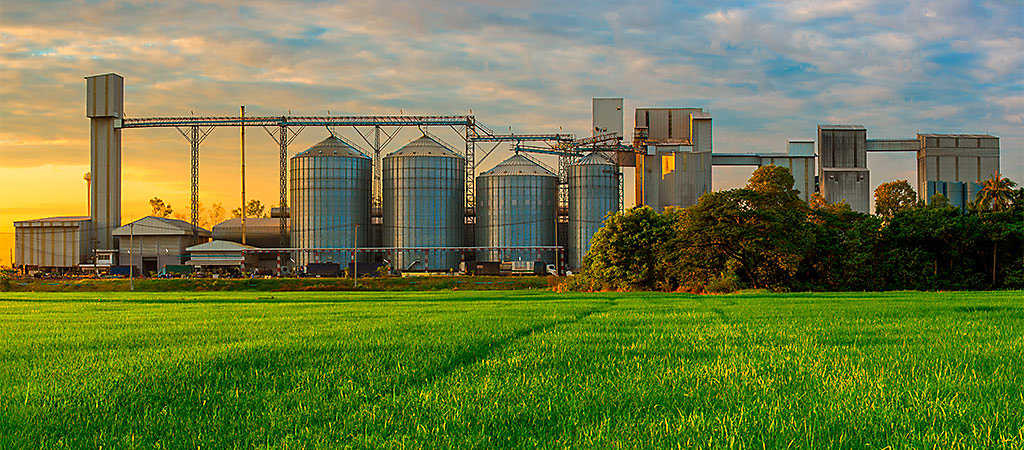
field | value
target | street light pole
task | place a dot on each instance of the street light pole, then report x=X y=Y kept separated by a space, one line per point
x=355 y=263
x=131 y=255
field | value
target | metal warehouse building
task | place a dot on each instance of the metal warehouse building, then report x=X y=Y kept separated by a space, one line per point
x=54 y=243
x=151 y=243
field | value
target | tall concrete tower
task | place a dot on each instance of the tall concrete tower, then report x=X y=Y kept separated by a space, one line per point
x=104 y=99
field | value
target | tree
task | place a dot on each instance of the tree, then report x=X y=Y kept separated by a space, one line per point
x=215 y=215
x=818 y=202
x=160 y=209
x=998 y=196
x=757 y=235
x=771 y=179
x=207 y=217
x=997 y=193
x=253 y=209
x=623 y=253
x=893 y=197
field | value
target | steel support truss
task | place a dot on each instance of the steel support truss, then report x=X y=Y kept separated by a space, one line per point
x=195 y=136
x=565 y=145
x=282 y=123
x=283 y=139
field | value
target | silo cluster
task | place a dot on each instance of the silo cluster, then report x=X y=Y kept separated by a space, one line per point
x=330 y=197
x=424 y=205
x=516 y=204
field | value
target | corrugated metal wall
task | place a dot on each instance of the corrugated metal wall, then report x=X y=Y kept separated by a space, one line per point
x=49 y=244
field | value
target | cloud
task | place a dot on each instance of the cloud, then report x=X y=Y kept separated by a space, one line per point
x=767 y=70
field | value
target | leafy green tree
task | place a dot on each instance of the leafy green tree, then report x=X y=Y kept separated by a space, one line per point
x=893 y=197
x=623 y=252
x=771 y=179
x=764 y=236
x=997 y=193
x=160 y=209
x=757 y=234
x=843 y=253
x=938 y=201
x=999 y=213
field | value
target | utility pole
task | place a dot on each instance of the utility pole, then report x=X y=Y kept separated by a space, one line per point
x=557 y=212
x=355 y=262
x=131 y=256
x=243 y=172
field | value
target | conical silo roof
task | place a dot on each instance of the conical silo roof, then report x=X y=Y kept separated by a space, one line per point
x=592 y=159
x=424 y=146
x=517 y=165
x=332 y=146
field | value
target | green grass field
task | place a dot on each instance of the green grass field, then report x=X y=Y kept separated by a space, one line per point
x=511 y=369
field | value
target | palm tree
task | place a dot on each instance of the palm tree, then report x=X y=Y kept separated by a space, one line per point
x=996 y=193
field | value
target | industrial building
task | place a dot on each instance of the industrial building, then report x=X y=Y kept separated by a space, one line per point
x=955 y=164
x=223 y=256
x=57 y=244
x=259 y=231
x=427 y=207
x=151 y=243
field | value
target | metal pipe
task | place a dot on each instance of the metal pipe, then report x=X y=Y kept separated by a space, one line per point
x=355 y=262
x=131 y=255
x=242 y=126
x=400 y=249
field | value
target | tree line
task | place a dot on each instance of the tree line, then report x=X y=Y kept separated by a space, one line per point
x=208 y=217
x=763 y=236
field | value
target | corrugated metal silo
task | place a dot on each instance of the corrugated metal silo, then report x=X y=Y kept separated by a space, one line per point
x=515 y=206
x=330 y=195
x=424 y=204
x=593 y=193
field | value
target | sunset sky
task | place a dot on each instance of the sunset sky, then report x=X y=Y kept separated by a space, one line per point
x=767 y=71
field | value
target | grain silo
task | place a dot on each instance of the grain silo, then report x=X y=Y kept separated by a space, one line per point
x=593 y=193
x=515 y=206
x=330 y=197
x=424 y=204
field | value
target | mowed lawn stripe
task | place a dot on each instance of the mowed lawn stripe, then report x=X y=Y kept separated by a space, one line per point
x=232 y=375
x=513 y=369
x=918 y=370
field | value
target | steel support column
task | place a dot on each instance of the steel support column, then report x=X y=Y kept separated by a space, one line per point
x=563 y=182
x=195 y=136
x=376 y=183
x=471 y=165
x=282 y=141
